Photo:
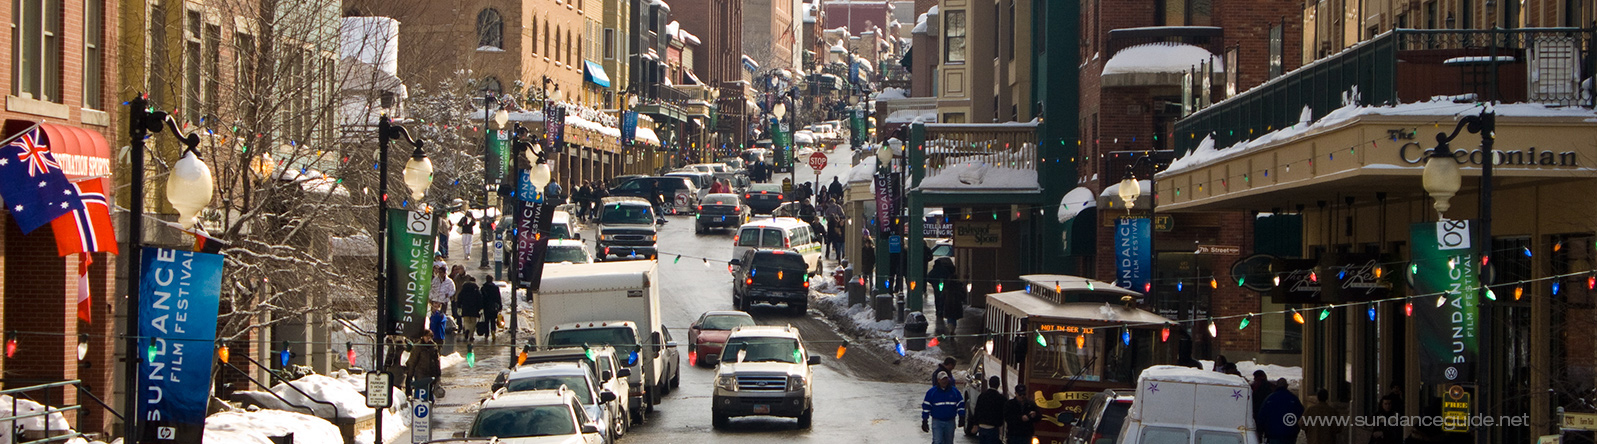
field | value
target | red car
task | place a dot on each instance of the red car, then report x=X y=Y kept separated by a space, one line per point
x=708 y=334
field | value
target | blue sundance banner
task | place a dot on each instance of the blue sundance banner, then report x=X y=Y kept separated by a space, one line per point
x=1133 y=252
x=178 y=299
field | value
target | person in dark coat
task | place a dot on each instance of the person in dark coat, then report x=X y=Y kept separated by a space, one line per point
x=951 y=303
x=470 y=303
x=938 y=277
x=1278 y=427
x=423 y=364
x=491 y=306
x=989 y=413
x=1020 y=414
x=1261 y=391
x=835 y=190
x=1388 y=428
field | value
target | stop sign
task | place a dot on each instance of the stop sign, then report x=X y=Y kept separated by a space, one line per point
x=818 y=161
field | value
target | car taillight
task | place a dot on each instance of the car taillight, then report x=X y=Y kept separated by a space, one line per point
x=806 y=284
x=762 y=192
x=701 y=207
x=787 y=243
x=735 y=238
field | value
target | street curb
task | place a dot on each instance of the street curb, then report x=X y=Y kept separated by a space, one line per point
x=834 y=313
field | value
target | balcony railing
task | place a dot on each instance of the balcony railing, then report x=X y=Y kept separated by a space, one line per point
x=1008 y=143
x=1538 y=65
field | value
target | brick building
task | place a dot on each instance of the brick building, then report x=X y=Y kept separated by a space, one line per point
x=61 y=72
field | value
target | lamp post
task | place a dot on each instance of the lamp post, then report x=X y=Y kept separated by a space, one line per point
x=418 y=177
x=189 y=189
x=531 y=161
x=1442 y=180
x=887 y=190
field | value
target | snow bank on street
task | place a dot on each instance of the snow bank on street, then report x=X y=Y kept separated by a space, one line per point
x=257 y=427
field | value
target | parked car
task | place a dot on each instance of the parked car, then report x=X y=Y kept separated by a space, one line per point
x=766 y=372
x=1101 y=422
x=628 y=228
x=771 y=276
x=579 y=379
x=763 y=198
x=539 y=416
x=562 y=228
x=567 y=251
x=708 y=334
x=720 y=211
x=618 y=180
x=673 y=194
x=701 y=181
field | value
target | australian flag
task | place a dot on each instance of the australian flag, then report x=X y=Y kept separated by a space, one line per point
x=35 y=189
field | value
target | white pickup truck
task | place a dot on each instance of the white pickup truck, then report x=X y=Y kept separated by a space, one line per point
x=615 y=304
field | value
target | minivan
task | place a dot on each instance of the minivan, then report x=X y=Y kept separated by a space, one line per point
x=782 y=233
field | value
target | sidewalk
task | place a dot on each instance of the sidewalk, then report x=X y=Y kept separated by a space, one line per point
x=859 y=322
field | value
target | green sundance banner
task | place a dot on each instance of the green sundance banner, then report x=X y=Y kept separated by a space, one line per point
x=497 y=163
x=1444 y=267
x=410 y=269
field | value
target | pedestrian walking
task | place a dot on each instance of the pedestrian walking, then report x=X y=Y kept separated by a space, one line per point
x=989 y=413
x=1388 y=428
x=835 y=189
x=1261 y=391
x=834 y=238
x=470 y=303
x=951 y=303
x=1281 y=412
x=1020 y=415
x=423 y=364
x=943 y=410
x=444 y=228
x=1320 y=428
x=467 y=225
x=443 y=291
x=946 y=367
x=492 y=304
x=553 y=193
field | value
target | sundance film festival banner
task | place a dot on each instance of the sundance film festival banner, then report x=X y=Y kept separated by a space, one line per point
x=1133 y=252
x=178 y=299
x=410 y=269
x=1444 y=271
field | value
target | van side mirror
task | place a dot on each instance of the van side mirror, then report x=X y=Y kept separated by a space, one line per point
x=607 y=396
x=606 y=375
x=590 y=427
x=814 y=360
x=623 y=373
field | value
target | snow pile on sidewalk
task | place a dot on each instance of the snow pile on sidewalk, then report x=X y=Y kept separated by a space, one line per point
x=33 y=423
x=247 y=427
x=859 y=322
x=1293 y=374
x=349 y=401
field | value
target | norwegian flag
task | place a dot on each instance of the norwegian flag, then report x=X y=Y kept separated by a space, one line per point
x=88 y=228
x=36 y=191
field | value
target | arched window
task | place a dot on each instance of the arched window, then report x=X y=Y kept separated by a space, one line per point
x=490 y=29
x=558 y=51
x=492 y=84
x=546 y=38
x=534 y=35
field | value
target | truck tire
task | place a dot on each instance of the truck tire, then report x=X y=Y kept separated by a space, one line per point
x=804 y=418
x=718 y=420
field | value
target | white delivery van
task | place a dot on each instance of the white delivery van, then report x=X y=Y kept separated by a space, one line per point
x=1184 y=405
x=780 y=233
x=615 y=304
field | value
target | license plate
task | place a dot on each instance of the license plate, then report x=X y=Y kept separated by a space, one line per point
x=762 y=408
x=720 y=218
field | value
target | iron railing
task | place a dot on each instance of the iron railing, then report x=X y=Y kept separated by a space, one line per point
x=48 y=434
x=1539 y=65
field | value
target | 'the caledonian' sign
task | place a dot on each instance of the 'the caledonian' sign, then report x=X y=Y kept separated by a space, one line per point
x=1413 y=153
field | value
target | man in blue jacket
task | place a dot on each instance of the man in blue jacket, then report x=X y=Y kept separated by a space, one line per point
x=1280 y=414
x=946 y=409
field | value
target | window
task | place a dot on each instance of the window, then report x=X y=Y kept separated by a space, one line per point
x=213 y=65
x=534 y=34
x=191 y=67
x=1276 y=43
x=492 y=84
x=954 y=37
x=546 y=38
x=558 y=49
x=159 y=74
x=94 y=54
x=490 y=29
x=244 y=61
x=609 y=43
x=36 y=49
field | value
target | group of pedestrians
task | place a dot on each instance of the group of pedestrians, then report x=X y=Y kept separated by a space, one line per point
x=586 y=199
x=943 y=411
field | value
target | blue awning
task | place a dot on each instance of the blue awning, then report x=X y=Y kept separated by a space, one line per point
x=593 y=72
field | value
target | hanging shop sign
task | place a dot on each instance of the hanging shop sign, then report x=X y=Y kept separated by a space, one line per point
x=178 y=299
x=978 y=234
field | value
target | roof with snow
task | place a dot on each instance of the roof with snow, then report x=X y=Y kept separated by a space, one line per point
x=600 y=276
x=1160 y=57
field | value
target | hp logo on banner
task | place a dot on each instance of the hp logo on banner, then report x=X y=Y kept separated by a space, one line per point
x=1452 y=235
x=167 y=433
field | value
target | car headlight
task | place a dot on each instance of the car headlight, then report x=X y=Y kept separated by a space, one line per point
x=726 y=382
x=795 y=383
x=607 y=237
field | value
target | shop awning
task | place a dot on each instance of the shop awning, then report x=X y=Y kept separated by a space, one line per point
x=594 y=73
x=1075 y=201
x=82 y=153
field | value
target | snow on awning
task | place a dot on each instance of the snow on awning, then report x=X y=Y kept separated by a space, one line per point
x=692 y=78
x=1110 y=197
x=748 y=63
x=981 y=177
x=1075 y=202
x=647 y=135
x=1161 y=57
x=594 y=73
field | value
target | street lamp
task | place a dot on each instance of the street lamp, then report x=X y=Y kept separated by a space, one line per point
x=418 y=177
x=1441 y=178
x=189 y=189
x=1130 y=190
